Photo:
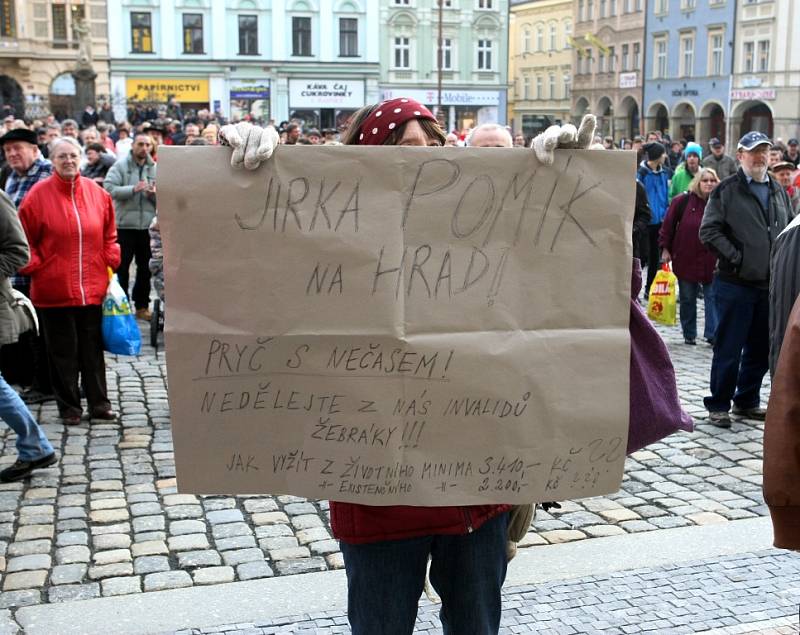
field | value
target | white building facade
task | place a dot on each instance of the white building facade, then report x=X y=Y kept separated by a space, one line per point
x=316 y=60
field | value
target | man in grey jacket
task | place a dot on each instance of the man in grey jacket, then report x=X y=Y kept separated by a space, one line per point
x=718 y=161
x=743 y=217
x=132 y=184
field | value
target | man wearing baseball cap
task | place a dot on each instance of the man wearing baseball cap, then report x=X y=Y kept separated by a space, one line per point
x=743 y=217
x=718 y=161
x=792 y=154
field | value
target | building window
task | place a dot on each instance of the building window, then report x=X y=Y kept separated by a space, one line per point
x=526 y=87
x=192 y=32
x=635 y=65
x=248 y=35
x=717 y=56
x=484 y=55
x=612 y=60
x=590 y=10
x=688 y=5
x=660 y=61
x=749 y=53
x=628 y=6
x=581 y=9
x=538 y=87
x=639 y=5
x=553 y=37
x=552 y=87
x=402 y=52
x=567 y=85
x=763 y=56
x=301 y=36
x=613 y=10
x=539 y=38
x=624 y=60
x=8 y=27
x=687 y=55
x=141 y=32
x=348 y=37
x=402 y=3
x=447 y=54
x=603 y=8
x=484 y=4
x=526 y=40
x=567 y=35
x=59 y=12
x=77 y=13
x=662 y=7
x=601 y=62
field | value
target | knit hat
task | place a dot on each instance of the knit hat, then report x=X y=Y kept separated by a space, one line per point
x=654 y=150
x=387 y=116
x=693 y=148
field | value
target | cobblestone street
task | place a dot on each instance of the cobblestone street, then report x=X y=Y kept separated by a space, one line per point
x=107 y=520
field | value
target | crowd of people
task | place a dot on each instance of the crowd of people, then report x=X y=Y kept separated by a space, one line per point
x=79 y=200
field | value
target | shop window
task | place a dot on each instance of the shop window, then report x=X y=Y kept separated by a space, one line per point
x=141 y=32
x=402 y=53
x=8 y=26
x=59 y=13
x=248 y=35
x=484 y=55
x=193 y=33
x=763 y=56
x=301 y=36
x=348 y=37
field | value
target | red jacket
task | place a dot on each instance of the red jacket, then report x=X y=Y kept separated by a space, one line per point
x=363 y=523
x=691 y=260
x=73 y=238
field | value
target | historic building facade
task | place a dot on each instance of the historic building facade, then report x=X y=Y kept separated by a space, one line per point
x=39 y=48
x=608 y=60
x=315 y=60
x=540 y=64
x=689 y=53
x=765 y=91
x=474 y=68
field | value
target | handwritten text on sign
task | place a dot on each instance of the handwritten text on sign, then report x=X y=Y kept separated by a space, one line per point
x=398 y=325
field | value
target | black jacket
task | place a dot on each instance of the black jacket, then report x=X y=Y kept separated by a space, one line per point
x=740 y=231
x=641 y=218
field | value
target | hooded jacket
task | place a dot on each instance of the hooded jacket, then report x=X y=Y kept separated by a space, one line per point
x=741 y=232
x=782 y=440
x=680 y=181
x=656 y=184
x=135 y=210
x=73 y=239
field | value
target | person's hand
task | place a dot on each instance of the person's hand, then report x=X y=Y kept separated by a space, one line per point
x=141 y=185
x=251 y=144
x=564 y=137
x=666 y=256
x=151 y=188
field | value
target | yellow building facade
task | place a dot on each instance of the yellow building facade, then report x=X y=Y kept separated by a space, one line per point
x=540 y=64
x=39 y=50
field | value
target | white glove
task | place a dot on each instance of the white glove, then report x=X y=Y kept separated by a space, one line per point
x=251 y=144
x=565 y=137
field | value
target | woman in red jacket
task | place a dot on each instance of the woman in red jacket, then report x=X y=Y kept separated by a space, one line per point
x=69 y=222
x=692 y=262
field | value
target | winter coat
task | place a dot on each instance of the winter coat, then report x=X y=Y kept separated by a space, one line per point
x=784 y=286
x=781 y=440
x=740 y=231
x=724 y=166
x=73 y=239
x=641 y=218
x=656 y=184
x=680 y=181
x=358 y=524
x=99 y=169
x=691 y=259
x=14 y=254
x=135 y=210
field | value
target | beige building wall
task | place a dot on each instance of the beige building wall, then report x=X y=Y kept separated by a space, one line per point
x=38 y=47
x=540 y=64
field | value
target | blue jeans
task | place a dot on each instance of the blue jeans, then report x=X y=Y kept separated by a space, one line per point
x=31 y=441
x=385 y=581
x=741 y=348
x=687 y=298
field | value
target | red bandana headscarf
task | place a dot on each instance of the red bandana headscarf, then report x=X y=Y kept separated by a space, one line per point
x=387 y=116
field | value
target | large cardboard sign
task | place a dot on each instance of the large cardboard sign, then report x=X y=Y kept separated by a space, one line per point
x=391 y=325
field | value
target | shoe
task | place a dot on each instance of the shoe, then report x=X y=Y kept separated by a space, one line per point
x=71 y=420
x=32 y=396
x=710 y=341
x=690 y=341
x=20 y=469
x=719 y=418
x=759 y=414
x=144 y=314
x=103 y=416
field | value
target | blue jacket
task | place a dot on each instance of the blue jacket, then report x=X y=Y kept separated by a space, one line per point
x=656 y=184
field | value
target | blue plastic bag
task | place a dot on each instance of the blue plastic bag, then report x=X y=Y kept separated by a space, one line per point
x=120 y=331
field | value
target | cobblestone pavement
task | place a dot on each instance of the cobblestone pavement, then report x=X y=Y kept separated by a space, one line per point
x=107 y=519
x=724 y=596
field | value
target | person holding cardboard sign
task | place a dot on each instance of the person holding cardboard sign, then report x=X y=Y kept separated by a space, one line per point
x=386 y=548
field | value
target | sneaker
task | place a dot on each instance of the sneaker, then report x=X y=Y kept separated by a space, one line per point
x=103 y=416
x=21 y=469
x=719 y=418
x=32 y=396
x=690 y=341
x=759 y=414
x=144 y=314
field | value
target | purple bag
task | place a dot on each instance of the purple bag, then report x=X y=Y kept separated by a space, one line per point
x=655 y=410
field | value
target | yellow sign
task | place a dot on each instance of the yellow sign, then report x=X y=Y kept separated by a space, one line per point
x=160 y=89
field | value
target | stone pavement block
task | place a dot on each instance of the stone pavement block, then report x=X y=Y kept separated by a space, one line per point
x=253 y=570
x=14 y=599
x=121 y=586
x=596 y=531
x=109 y=515
x=111 y=556
x=188 y=542
x=300 y=565
x=206 y=558
x=29 y=563
x=184 y=511
x=562 y=535
x=180 y=527
x=237 y=542
x=231 y=530
x=72 y=592
x=149 y=548
x=72 y=538
x=34 y=532
x=269 y=518
x=111 y=541
x=110 y=570
x=213 y=575
x=167 y=580
x=29 y=547
x=73 y=554
x=150 y=564
x=256 y=505
x=224 y=516
x=67 y=573
x=24 y=580
x=706 y=518
x=240 y=556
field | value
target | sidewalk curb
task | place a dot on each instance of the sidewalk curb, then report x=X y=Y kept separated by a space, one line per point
x=269 y=599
